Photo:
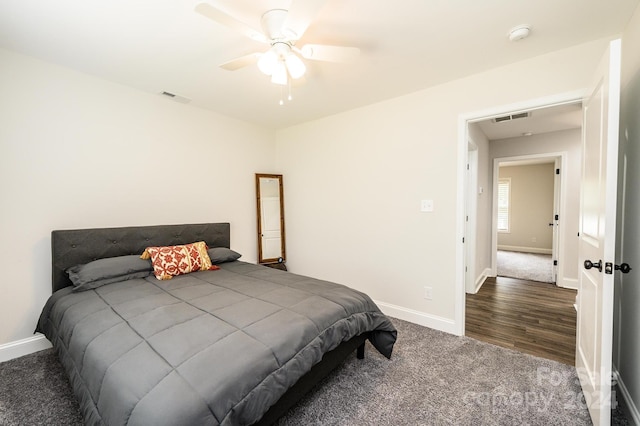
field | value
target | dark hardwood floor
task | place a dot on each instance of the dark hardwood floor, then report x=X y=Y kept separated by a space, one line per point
x=531 y=317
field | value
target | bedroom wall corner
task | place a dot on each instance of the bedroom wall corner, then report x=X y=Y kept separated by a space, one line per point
x=77 y=151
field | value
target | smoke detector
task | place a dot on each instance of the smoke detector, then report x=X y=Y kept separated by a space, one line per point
x=519 y=32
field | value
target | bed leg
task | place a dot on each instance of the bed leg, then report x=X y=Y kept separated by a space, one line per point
x=360 y=351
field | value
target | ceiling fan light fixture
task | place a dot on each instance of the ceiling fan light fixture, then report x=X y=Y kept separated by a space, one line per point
x=279 y=75
x=307 y=52
x=295 y=66
x=281 y=29
x=267 y=62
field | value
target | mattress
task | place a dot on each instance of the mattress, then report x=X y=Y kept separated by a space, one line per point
x=209 y=347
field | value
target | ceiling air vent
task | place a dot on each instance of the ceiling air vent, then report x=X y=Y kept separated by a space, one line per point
x=176 y=98
x=511 y=117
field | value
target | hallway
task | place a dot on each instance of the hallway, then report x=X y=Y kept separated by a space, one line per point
x=530 y=317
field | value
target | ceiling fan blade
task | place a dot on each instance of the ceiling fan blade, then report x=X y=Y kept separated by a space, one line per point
x=228 y=21
x=301 y=14
x=241 y=62
x=323 y=52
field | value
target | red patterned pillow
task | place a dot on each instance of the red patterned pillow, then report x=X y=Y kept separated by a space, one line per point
x=169 y=261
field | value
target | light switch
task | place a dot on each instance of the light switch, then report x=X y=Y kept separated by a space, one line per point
x=426 y=206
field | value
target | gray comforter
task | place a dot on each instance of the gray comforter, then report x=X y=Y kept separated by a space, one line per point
x=211 y=347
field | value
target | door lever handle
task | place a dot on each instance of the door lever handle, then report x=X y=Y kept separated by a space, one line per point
x=589 y=264
x=624 y=268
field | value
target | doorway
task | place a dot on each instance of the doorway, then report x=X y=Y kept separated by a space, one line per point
x=596 y=302
x=548 y=134
x=558 y=149
x=528 y=190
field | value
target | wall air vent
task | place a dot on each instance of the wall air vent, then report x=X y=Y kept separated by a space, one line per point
x=511 y=117
x=520 y=115
x=175 y=97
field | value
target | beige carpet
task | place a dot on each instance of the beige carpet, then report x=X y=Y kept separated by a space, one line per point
x=525 y=266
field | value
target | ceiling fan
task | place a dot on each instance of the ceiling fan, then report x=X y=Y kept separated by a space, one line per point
x=281 y=29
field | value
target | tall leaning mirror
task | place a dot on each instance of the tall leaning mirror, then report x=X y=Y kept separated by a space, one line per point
x=270 y=203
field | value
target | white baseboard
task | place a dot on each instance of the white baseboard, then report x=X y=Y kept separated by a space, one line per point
x=571 y=283
x=526 y=249
x=23 y=347
x=481 y=279
x=417 y=317
x=631 y=406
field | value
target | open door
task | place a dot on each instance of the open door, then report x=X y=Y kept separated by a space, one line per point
x=471 y=208
x=554 y=223
x=597 y=236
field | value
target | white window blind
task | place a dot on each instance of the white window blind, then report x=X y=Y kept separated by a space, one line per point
x=504 y=201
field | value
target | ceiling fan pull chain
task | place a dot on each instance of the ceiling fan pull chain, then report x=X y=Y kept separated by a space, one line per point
x=281 y=95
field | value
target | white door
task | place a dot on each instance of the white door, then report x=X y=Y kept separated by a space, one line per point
x=471 y=218
x=597 y=236
x=553 y=222
x=271 y=236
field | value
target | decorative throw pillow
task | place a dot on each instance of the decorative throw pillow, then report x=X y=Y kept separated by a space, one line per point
x=169 y=261
x=222 y=254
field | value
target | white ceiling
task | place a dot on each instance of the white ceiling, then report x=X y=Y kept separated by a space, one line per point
x=162 y=45
x=543 y=120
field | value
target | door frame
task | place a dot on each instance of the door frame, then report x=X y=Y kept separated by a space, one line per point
x=559 y=158
x=463 y=156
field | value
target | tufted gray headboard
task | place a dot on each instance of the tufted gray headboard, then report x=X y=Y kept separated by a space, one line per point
x=77 y=246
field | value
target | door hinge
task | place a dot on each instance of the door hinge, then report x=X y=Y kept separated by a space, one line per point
x=557 y=217
x=555 y=263
x=468 y=167
x=557 y=171
x=463 y=240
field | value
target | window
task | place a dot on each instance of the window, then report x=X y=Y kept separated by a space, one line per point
x=504 y=201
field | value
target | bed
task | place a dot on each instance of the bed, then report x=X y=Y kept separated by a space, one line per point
x=238 y=345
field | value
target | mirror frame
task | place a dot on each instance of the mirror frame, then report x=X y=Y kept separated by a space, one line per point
x=282 y=256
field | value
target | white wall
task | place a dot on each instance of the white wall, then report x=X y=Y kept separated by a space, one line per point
x=568 y=141
x=530 y=208
x=77 y=152
x=626 y=345
x=354 y=182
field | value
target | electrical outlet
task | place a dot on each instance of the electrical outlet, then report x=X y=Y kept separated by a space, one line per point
x=428 y=293
x=426 y=205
